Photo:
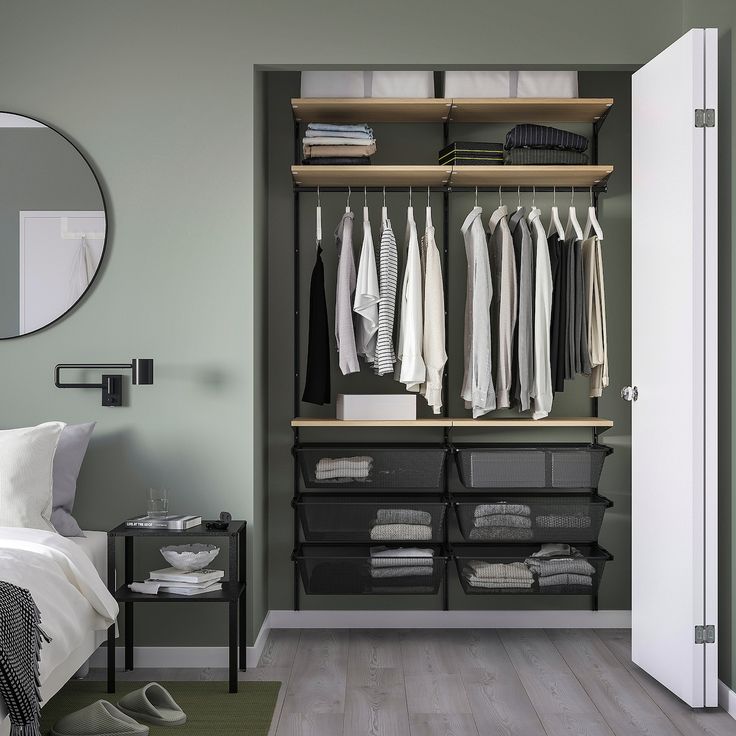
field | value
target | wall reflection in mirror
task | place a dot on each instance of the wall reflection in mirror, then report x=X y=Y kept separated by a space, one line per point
x=52 y=225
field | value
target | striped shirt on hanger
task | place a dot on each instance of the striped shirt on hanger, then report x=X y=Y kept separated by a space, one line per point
x=388 y=277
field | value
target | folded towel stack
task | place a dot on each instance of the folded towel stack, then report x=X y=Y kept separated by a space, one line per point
x=343 y=469
x=402 y=524
x=401 y=562
x=560 y=565
x=506 y=576
x=539 y=145
x=331 y=143
x=502 y=521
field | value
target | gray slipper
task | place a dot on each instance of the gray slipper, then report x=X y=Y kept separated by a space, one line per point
x=152 y=704
x=99 y=719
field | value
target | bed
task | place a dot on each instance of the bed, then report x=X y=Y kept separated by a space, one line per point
x=67 y=579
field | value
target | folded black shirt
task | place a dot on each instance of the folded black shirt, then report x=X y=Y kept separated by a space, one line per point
x=529 y=135
x=545 y=157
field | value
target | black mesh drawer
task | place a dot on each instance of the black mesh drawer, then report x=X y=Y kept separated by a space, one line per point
x=543 y=517
x=349 y=570
x=372 y=467
x=377 y=519
x=530 y=466
x=507 y=570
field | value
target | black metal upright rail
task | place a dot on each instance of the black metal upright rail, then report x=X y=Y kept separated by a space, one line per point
x=446 y=191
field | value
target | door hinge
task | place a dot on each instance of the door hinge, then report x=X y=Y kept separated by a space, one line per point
x=705 y=634
x=705 y=118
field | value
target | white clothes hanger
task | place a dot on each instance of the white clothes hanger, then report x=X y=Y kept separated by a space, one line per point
x=476 y=196
x=518 y=195
x=573 y=226
x=384 y=209
x=428 y=214
x=347 y=204
x=410 y=210
x=319 y=219
x=555 y=223
x=500 y=197
x=365 y=204
x=592 y=221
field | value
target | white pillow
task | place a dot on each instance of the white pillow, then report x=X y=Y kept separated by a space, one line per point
x=26 y=475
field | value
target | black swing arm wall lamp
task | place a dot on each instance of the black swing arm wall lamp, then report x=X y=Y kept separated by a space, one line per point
x=112 y=384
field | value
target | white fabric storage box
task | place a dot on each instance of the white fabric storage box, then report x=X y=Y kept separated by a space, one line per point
x=333 y=84
x=376 y=406
x=480 y=84
x=547 y=84
x=401 y=84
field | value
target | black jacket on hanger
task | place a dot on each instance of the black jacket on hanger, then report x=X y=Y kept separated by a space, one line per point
x=317 y=385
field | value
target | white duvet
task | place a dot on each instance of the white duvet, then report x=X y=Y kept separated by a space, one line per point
x=64 y=584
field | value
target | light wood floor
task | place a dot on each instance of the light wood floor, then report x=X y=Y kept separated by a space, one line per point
x=464 y=683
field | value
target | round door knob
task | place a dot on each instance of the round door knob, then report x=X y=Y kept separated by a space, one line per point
x=629 y=393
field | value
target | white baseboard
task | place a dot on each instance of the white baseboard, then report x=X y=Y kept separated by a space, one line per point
x=727 y=698
x=216 y=657
x=449 y=619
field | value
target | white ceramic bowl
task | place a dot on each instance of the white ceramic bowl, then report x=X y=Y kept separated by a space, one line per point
x=190 y=557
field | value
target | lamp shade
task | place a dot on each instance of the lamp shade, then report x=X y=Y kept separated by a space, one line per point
x=142 y=369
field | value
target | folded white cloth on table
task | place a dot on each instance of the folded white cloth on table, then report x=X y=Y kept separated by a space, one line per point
x=403 y=516
x=501 y=534
x=509 y=520
x=383 y=532
x=413 y=571
x=574 y=565
x=517 y=572
x=565 y=579
x=323 y=140
x=491 y=509
x=344 y=467
x=571 y=521
x=148 y=588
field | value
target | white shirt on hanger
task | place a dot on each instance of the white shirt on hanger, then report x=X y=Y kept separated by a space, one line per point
x=434 y=352
x=344 y=328
x=410 y=368
x=477 y=390
x=542 y=384
x=367 y=296
x=596 y=309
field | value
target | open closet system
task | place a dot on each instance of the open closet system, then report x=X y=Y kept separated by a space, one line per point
x=516 y=497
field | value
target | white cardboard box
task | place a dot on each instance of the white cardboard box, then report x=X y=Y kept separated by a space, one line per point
x=376 y=406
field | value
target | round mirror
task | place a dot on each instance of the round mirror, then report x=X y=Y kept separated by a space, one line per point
x=52 y=225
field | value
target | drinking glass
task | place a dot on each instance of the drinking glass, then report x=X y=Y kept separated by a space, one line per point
x=158 y=502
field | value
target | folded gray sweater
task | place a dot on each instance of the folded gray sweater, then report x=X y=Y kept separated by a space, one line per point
x=403 y=516
x=522 y=522
x=490 y=509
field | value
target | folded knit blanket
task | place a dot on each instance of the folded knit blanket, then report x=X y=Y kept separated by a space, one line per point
x=509 y=520
x=570 y=521
x=385 y=532
x=413 y=571
x=388 y=552
x=565 y=579
x=516 y=572
x=491 y=509
x=501 y=534
x=403 y=516
x=545 y=568
x=343 y=467
x=402 y=561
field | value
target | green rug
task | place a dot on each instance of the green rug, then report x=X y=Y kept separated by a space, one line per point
x=210 y=709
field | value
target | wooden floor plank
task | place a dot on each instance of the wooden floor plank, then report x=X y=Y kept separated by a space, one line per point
x=428 y=651
x=562 y=704
x=375 y=699
x=310 y=724
x=319 y=673
x=625 y=706
x=497 y=698
x=280 y=648
x=689 y=722
x=439 y=694
x=425 y=724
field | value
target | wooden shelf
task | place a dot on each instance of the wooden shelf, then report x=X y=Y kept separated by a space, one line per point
x=438 y=110
x=358 y=176
x=440 y=176
x=529 y=110
x=370 y=110
x=457 y=422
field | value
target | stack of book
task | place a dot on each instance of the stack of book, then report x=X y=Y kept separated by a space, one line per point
x=180 y=582
x=172 y=522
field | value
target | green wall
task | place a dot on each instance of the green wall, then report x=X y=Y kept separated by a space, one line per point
x=39 y=170
x=164 y=97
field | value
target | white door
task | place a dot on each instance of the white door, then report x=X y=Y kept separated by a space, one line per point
x=60 y=252
x=674 y=345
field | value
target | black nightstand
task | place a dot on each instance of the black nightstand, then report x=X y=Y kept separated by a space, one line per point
x=232 y=590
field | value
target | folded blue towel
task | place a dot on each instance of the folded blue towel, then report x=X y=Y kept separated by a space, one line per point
x=343 y=127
